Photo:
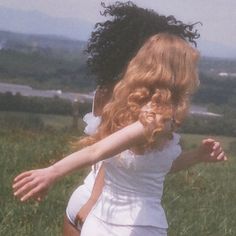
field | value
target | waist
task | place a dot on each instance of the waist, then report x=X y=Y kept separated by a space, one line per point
x=130 y=209
x=131 y=193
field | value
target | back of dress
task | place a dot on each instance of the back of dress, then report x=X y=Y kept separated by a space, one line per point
x=134 y=185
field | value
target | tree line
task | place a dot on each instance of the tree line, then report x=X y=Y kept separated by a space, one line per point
x=55 y=105
x=225 y=125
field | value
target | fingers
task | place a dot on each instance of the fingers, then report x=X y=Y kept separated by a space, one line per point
x=208 y=141
x=22 y=175
x=18 y=184
x=27 y=187
x=33 y=184
x=213 y=150
x=31 y=193
x=216 y=145
x=213 y=145
x=221 y=156
x=216 y=150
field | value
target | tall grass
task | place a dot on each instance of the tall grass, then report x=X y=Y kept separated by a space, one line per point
x=198 y=202
x=201 y=200
x=24 y=146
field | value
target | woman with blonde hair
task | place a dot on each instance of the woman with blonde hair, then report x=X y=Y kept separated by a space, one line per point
x=136 y=141
x=111 y=46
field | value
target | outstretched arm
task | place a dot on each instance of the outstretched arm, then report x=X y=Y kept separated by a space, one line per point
x=209 y=151
x=32 y=184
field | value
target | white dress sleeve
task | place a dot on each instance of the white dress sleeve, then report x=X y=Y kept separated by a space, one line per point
x=92 y=123
x=175 y=146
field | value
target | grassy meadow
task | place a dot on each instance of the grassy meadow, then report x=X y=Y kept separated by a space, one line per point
x=198 y=202
x=201 y=201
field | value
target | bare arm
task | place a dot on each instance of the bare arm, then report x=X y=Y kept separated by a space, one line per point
x=96 y=192
x=32 y=183
x=105 y=148
x=208 y=151
x=98 y=185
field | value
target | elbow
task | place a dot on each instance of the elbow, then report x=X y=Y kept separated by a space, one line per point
x=94 y=154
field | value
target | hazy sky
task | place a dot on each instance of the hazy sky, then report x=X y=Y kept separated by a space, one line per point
x=218 y=16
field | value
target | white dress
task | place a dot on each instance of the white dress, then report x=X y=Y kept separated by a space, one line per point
x=82 y=193
x=130 y=204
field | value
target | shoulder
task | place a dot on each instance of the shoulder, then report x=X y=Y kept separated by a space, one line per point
x=119 y=141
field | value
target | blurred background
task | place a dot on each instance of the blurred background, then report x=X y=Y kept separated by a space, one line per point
x=46 y=88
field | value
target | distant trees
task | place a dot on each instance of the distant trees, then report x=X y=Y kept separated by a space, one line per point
x=216 y=91
x=60 y=67
x=53 y=70
x=55 y=105
x=225 y=125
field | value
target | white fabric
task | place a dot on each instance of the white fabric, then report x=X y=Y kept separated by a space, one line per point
x=96 y=227
x=92 y=123
x=81 y=195
x=133 y=187
x=78 y=198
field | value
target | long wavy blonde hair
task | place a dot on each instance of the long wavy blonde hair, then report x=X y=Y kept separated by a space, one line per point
x=159 y=80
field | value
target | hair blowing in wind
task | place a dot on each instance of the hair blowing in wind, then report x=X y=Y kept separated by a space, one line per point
x=158 y=81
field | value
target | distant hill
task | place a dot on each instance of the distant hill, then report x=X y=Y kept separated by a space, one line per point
x=213 y=49
x=20 y=41
x=45 y=62
x=35 y=22
x=215 y=66
x=58 y=63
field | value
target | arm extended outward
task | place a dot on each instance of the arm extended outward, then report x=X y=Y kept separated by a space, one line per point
x=209 y=151
x=32 y=184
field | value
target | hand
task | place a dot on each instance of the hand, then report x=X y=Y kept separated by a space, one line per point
x=211 y=151
x=84 y=211
x=34 y=184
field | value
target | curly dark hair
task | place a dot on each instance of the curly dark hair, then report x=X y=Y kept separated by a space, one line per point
x=114 y=42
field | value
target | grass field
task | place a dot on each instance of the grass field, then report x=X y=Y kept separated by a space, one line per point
x=198 y=202
x=201 y=200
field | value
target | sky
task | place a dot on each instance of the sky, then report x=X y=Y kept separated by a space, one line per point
x=218 y=16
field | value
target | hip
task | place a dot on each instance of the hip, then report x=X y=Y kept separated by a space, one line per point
x=97 y=227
